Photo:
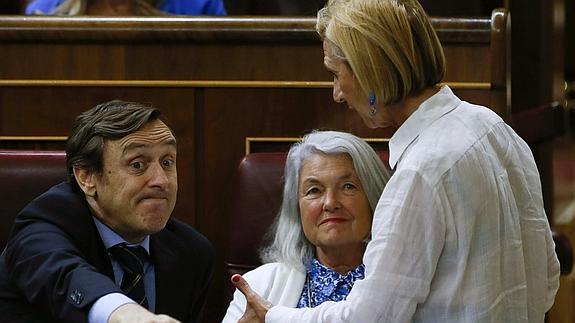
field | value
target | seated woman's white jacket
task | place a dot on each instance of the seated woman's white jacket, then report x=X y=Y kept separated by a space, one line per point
x=277 y=282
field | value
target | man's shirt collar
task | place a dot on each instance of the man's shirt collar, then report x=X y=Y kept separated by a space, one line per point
x=111 y=238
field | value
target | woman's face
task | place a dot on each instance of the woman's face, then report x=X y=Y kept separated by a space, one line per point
x=345 y=86
x=347 y=89
x=334 y=208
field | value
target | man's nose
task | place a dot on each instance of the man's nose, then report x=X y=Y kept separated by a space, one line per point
x=158 y=176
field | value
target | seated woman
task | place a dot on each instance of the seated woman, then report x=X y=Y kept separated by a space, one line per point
x=333 y=181
x=126 y=7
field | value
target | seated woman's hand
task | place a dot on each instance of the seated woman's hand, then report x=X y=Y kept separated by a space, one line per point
x=256 y=307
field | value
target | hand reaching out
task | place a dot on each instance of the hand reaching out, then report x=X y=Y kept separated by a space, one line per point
x=257 y=307
x=135 y=313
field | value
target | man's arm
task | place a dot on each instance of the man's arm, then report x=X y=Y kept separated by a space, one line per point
x=54 y=276
x=134 y=313
x=52 y=273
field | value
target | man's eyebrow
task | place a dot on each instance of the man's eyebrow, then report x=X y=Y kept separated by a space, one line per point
x=170 y=142
x=136 y=145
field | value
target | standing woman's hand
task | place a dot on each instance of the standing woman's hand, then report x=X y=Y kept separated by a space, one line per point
x=256 y=307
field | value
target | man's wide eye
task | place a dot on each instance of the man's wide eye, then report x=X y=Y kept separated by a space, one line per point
x=168 y=162
x=137 y=165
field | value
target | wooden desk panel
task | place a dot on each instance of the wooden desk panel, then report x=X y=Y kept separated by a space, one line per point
x=199 y=48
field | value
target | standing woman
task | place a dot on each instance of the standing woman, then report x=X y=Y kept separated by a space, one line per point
x=459 y=233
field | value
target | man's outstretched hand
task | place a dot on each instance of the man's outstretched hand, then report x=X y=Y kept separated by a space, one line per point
x=135 y=313
x=256 y=307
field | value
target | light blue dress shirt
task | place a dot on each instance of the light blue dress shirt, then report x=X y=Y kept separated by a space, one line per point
x=105 y=305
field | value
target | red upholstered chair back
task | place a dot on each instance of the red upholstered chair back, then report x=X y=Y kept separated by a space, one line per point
x=256 y=200
x=25 y=174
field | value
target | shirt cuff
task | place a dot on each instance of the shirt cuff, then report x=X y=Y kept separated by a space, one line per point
x=278 y=314
x=105 y=305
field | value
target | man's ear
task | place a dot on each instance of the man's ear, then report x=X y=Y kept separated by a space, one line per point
x=86 y=180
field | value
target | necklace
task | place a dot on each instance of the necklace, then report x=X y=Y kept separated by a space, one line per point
x=309 y=300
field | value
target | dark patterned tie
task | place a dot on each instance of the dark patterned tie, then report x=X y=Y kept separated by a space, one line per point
x=132 y=260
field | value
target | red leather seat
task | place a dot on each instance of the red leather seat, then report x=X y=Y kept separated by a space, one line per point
x=25 y=174
x=257 y=198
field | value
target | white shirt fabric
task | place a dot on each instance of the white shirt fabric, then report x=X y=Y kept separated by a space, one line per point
x=459 y=233
x=277 y=282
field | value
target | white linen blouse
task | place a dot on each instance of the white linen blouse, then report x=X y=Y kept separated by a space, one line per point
x=459 y=233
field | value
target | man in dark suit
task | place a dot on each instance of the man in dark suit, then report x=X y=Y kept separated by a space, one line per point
x=102 y=247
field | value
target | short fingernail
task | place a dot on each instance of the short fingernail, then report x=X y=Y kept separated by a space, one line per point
x=236 y=278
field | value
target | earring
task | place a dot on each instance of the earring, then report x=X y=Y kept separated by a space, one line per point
x=372 y=110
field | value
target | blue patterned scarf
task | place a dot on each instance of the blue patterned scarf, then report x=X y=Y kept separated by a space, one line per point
x=327 y=285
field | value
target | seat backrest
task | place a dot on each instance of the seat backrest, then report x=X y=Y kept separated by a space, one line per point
x=25 y=174
x=255 y=202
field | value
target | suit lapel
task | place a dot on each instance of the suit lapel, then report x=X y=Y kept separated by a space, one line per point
x=167 y=274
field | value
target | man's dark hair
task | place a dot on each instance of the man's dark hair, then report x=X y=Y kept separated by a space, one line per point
x=110 y=120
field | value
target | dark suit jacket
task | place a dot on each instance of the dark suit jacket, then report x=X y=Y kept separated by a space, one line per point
x=55 y=264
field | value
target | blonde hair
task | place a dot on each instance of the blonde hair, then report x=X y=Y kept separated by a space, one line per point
x=389 y=45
